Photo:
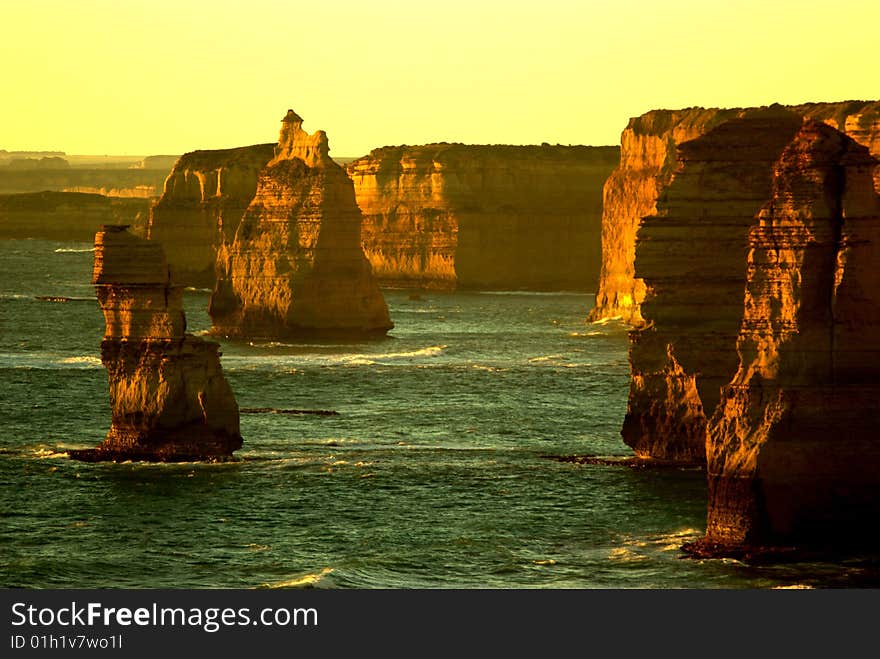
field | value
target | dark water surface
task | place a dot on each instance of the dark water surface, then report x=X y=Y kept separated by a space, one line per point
x=432 y=474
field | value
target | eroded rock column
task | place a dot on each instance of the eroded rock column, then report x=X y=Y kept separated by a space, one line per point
x=169 y=399
x=794 y=446
x=296 y=266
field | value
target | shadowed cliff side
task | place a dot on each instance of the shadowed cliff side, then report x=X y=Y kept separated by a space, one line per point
x=483 y=216
x=691 y=256
x=168 y=396
x=794 y=446
x=204 y=199
x=295 y=266
x=647 y=162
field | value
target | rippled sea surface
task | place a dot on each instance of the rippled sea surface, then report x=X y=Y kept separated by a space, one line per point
x=434 y=473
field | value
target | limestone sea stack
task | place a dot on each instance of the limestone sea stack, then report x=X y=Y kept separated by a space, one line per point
x=483 y=216
x=794 y=446
x=648 y=159
x=295 y=266
x=681 y=272
x=691 y=257
x=169 y=399
x=204 y=199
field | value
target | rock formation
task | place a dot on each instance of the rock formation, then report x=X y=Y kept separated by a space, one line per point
x=691 y=255
x=168 y=396
x=144 y=183
x=65 y=216
x=647 y=162
x=794 y=446
x=204 y=199
x=295 y=265
x=490 y=217
x=679 y=276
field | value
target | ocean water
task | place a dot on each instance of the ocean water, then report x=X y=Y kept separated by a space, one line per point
x=434 y=473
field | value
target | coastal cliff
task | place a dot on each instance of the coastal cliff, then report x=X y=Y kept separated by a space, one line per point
x=168 y=396
x=481 y=216
x=647 y=161
x=793 y=449
x=204 y=199
x=295 y=265
x=691 y=257
x=142 y=183
x=66 y=216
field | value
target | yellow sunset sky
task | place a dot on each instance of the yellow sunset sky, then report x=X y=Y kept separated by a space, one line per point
x=169 y=76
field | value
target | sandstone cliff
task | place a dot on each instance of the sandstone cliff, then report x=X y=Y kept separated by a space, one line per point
x=295 y=265
x=168 y=396
x=647 y=162
x=491 y=217
x=794 y=446
x=204 y=199
x=66 y=216
x=691 y=256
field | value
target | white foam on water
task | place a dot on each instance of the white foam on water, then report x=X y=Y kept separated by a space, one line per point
x=303 y=581
x=83 y=361
x=605 y=321
x=73 y=250
x=547 y=358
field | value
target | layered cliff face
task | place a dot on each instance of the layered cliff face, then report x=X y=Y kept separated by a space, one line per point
x=295 y=265
x=794 y=446
x=66 y=216
x=647 y=162
x=168 y=396
x=204 y=199
x=490 y=217
x=691 y=256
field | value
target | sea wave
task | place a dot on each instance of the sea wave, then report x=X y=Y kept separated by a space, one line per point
x=292 y=362
x=47 y=453
x=47 y=361
x=548 y=358
x=368 y=358
x=74 y=250
x=605 y=321
x=83 y=361
x=537 y=293
x=309 y=580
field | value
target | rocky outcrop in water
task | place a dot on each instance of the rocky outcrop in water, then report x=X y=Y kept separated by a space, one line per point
x=295 y=266
x=688 y=258
x=490 y=217
x=647 y=162
x=794 y=446
x=691 y=256
x=66 y=216
x=204 y=199
x=168 y=396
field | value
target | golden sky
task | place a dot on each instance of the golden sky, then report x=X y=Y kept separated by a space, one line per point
x=169 y=76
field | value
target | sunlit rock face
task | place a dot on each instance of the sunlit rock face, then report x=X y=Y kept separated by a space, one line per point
x=483 y=217
x=794 y=445
x=169 y=399
x=691 y=258
x=295 y=265
x=204 y=199
x=647 y=161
